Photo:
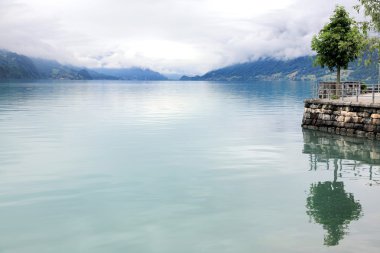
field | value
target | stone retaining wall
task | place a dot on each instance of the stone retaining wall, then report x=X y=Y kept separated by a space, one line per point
x=344 y=118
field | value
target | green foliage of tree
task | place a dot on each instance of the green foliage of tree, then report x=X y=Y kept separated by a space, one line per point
x=339 y=42
x=372 y=10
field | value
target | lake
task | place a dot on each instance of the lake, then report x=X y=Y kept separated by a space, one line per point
x=182 y=167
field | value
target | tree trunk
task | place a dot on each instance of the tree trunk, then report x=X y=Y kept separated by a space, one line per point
x=338 y=89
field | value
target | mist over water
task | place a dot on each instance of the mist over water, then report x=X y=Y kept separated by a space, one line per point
x=93 y=166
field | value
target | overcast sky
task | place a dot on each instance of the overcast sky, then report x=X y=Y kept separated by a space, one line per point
x=170 y=36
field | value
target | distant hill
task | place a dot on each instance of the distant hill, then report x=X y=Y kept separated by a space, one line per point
x=300 y=68
x=49 y=69
x=16 y=66
x=131 y=73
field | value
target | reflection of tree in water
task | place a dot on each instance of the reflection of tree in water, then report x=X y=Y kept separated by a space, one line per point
x=329 y=205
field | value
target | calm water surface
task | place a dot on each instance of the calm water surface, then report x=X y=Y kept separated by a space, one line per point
x=179 y=167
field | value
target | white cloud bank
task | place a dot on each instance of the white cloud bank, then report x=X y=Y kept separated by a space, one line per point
x=170 y=36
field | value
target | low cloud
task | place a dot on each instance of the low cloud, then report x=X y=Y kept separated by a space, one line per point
x=170 y=36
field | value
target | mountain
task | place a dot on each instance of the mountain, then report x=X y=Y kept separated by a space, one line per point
x=131 y=73
x=49 y=69
x=300 y=68
x=16 y=66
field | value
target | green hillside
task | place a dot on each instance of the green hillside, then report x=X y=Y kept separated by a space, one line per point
x=16 y=66
x=49 y=69
x=300 y=68
x=133 y=73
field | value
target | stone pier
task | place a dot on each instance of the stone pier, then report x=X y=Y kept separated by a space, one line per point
x=343 y=118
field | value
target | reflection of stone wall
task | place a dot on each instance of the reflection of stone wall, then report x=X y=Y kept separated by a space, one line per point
x=341 y=147
x=343 y=118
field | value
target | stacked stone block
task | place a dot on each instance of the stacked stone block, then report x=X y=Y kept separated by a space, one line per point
x=344 y=118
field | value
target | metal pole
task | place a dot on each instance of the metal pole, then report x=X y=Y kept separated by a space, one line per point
x=378 y=81
x=316 y=90
x=328 y=93
x=357 y=92
x=373 y=93
x=342 y=86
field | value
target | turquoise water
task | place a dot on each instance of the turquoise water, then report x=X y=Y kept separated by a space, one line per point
x=179 y=167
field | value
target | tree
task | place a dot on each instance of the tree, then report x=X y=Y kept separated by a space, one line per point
x=338 y=43
x=372 y=10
